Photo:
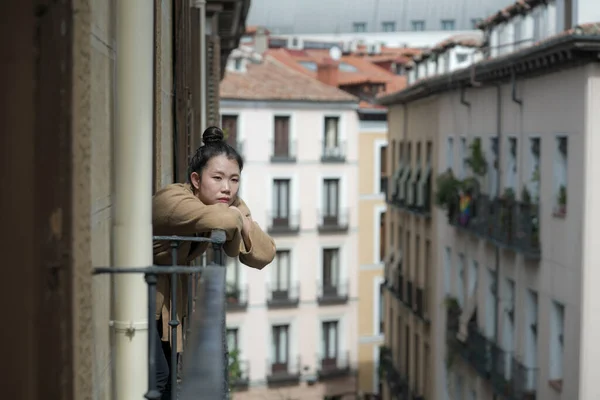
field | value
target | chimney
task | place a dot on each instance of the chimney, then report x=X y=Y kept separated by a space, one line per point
x=261 y=40
x=327 y=71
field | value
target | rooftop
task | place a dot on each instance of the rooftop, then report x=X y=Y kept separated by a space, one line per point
x=276 y=81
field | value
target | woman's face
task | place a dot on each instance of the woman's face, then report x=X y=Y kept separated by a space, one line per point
x=220 y=181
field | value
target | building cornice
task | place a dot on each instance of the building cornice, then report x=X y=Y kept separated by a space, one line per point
x=565 y=50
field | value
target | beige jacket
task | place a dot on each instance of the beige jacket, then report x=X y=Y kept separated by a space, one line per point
x=177 y=211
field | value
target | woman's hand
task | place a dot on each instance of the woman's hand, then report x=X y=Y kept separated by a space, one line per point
x=247 y=222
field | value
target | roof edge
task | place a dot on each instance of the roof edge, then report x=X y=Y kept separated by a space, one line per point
x=556 y=51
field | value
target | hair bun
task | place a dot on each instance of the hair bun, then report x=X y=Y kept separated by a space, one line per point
x=212 y=134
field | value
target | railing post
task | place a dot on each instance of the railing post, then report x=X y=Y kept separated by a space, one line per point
x=219 y=259
x=153 y=393
x=173 y=323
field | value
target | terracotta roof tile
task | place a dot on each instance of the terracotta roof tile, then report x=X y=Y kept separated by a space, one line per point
x=273 y=80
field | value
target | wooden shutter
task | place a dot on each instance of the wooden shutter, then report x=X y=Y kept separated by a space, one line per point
x=213 y=78
x=229 y=126
x=282 y=140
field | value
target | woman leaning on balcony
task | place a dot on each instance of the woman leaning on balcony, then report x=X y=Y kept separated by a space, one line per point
x=209 y=201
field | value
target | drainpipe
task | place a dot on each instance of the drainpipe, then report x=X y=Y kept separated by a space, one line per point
x=132 y=215
x=498 y=192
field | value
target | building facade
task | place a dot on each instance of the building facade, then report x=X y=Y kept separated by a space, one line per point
x=337 y=16
x=66 y=101
x=294 y=323
x=513 y=132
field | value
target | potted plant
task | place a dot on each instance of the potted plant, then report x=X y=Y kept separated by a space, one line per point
x=476 y=160
x=232 y=293
x=447 y=191
x=234 y=369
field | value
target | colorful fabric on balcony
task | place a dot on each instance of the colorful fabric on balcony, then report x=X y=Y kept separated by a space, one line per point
x=465 y=209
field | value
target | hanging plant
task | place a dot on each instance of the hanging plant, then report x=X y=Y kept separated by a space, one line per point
x=476 y=160
x=525 y=195
x=447 y=189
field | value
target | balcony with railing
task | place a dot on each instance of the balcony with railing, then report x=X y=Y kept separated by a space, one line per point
x=409 y=295
x=283 y=296
x=397 y=384
x=334 y=367
x=508 y=377
x=333 y=153
x=206 y=362
x=420 y=308
x=283 y=372
x=333 y=221
x=236 y=297
x=505 y=222
x=283 y=223
x=239 y=374
x=332 y=293
x=283 y=152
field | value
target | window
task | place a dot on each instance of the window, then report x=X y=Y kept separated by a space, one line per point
x=531 y=336
x=511 y=164
x=460 y=276
x=331 y=191
x=232 y=339
x=383 y=169
x=388 y=26
x=448 y=271
x=557 y=331
x=461 y=57
x=310 y=65
x=280 y=348
x=447 y=24
x=560 y=175
x=508 y=326
x=330 y=342
x=229 y=124
x=534 y=169
x=490 y=303
x=331 y=142
x=281 y=273
x=380 y=304
x=359 y=27
x=493 y=167
x=281 y=147
x=281 y=202
x=462 y=158
x=233 y=274
x=331 y=268
x=382 y=240
x=418 y=25
x=450 y=153
x=475 y=22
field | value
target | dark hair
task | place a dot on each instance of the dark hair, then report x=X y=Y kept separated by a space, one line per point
x=214 y=145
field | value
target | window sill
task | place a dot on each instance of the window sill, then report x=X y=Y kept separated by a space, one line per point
x=556 y=384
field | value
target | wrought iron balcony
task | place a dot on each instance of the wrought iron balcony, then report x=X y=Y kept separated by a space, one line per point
x=283 y=223
x=509 y=378
x=239 y=375
x=421 y=304
x=205 y=369
x=283 y=153
x=400 y=287
x=332 y=294
x=334 y=221
x=283 y=296
x=334 y=153
x=236 y=297
x=510 y=224
x=334 y=367
x=397 y=384
x=383 y=186
x=409 y=297
x=283 y=372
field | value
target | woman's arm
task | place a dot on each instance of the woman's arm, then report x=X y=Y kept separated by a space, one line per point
x=257 y=249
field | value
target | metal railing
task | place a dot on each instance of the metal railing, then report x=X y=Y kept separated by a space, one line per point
x=332 y=293
x=333 y=220
x=283 y=153
x=333 y=153
x=282 y=223
x=283 y=295
x=335 y=366
x=205 y=369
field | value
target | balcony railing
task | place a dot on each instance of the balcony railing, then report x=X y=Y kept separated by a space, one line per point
x=283 y=153
x=506 y=223
x=332 y=294
x=509 y=378
x=334 y=221
x=421 y=304
x=205 y=369
x=283 y=223
x=283 y=296
x=334 y=153
x=283 y=372
x=334 y=367
x=400 y=287
x=397 y=384
x=383 y=186
x=242 y=380
x=236 y=297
